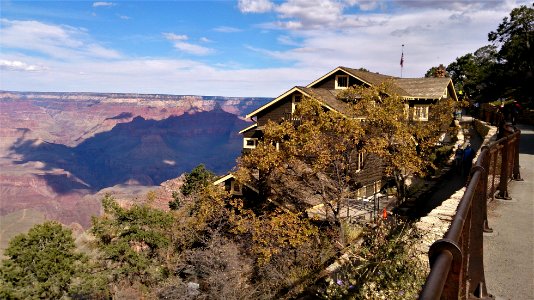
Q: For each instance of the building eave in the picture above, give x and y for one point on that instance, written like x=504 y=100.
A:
x=230 y=176
x=248 y=128
x=276 y=100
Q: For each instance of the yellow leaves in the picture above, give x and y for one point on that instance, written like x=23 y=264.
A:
x=272 y=232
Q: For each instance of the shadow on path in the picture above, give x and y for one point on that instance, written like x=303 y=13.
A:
x=449 y=183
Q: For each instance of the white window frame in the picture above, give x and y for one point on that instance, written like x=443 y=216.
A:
x=406 y=111
x=418 y=109
x=337 y=87
x=295 y=99
x=246 y=146
x=361 y=192
x=377 y=184
x=359 y=166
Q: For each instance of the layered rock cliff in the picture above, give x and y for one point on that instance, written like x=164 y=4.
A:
x=58 y=150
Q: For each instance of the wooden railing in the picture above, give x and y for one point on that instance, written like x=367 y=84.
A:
x=456 y=261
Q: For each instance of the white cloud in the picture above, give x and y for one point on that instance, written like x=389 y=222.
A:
x=169 y=76
x=16 y=65
x=57 y=41
x=255 y=6
x=192 y=48
x=175 y=37
x=124 y=17
x=103 y=4
x=373 y=40
x=180 y=44
x=311 y=12
x=287 y=40
x=318 y=44
x=205 y=40
x=226 y=29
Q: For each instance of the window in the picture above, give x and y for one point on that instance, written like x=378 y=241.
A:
x=378 y=184
x=236 y=188
x=295 y=101
x=420 y=112
x=361 y=192
x=360 y=161
x=250 y=143
x=342 y=81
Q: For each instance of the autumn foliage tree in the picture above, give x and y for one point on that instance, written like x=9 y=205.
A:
x=405 y=146
x=308 y=160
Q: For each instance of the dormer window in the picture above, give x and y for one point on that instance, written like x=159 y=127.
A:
x=342 y=81
x=295 y=101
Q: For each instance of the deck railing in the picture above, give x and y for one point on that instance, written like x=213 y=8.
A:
x=456 y=261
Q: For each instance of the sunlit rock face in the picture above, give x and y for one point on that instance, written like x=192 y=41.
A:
x=59 y=150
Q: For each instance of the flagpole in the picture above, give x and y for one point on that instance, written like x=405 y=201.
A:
x=402 y=59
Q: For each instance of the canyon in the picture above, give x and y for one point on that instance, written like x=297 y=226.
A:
x=61 y=152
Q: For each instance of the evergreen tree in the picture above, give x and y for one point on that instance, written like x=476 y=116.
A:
x=40 y=264
x=198 y=178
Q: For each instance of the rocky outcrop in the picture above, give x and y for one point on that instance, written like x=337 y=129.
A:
x=60 y=152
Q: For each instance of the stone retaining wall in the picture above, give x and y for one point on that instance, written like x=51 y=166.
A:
x=434 y=226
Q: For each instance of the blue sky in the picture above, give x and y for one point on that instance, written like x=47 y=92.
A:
x=229 y=48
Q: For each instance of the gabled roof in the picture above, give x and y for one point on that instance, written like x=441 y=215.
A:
x=427 y=88
x=329 y=101
x=231 y=176
x=408 y=88
x=327 y=98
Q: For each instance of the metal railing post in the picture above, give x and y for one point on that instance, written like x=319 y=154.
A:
x=477 y=281
x=503 y=180
x=516 y=174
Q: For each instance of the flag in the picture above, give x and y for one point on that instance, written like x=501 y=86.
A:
x=402 y=60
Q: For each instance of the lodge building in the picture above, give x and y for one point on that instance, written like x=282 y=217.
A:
x=418 y=93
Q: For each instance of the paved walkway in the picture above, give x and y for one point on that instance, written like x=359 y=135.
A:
x=509 y=250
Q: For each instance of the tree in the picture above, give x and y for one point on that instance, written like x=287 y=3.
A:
x=515 y=36
x=386 y=266
x=197 y=179
x=142 y=245
x=40 y=264
x=403 y=145
x=438 y=71
x=308 y=160
x=474 y=74
x=133 y=241
x=504 y=68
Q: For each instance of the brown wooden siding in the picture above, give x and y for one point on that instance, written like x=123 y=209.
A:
x=373 y=170
x=275 y=112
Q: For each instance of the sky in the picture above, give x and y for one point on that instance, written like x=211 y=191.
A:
x=244 y=48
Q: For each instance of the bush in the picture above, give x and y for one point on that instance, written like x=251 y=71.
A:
x=40 y=264
x=384 y=268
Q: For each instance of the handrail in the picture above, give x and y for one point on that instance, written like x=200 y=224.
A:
x=456 y=261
